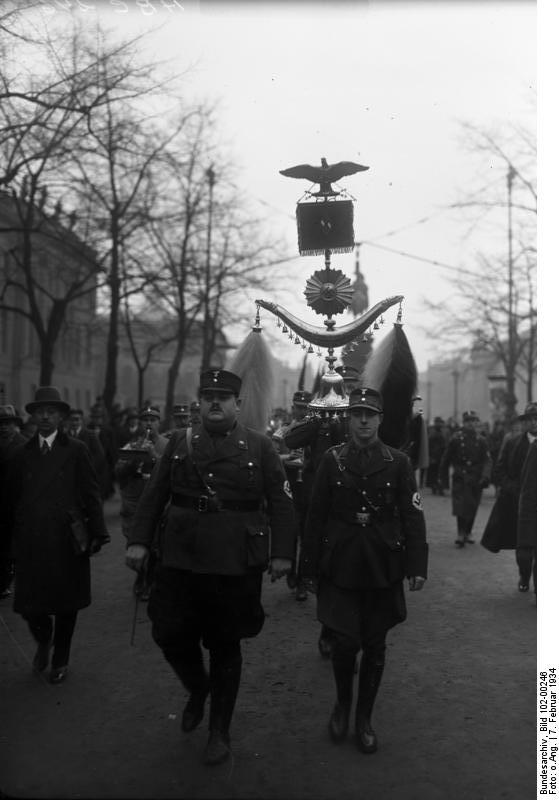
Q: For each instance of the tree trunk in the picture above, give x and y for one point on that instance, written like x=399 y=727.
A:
x=109 y=390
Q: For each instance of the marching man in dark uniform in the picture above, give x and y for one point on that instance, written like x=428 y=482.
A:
x=468 y=454
x=229 y=516
x=365 y=533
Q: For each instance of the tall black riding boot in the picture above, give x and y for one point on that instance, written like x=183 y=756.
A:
x=225 y=677
x=343 y=663
x=188 y=665
x=370 y=676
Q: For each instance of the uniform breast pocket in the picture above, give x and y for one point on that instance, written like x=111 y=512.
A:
x=258 y=546
x=249 y=472
x=178 y=469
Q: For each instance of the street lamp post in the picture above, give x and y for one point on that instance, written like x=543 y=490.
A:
x=455 y=374
x=511 y=399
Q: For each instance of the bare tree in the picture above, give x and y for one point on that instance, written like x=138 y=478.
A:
x=494 y=300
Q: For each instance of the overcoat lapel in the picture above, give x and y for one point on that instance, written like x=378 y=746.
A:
x=44 y=469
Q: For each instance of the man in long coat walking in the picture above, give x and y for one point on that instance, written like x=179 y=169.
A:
x=57 y=522
x=502 y=526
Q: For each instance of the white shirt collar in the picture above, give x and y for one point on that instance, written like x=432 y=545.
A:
x=49 y=440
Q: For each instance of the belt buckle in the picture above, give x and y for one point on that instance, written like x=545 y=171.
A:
x=363 y=517
x=203 y=503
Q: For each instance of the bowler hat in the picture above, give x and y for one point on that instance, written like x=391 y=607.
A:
x=366 y=398
x=47 y=396
x=8 y=413
x=301 y=398
x=220 y=380
x=529 y=411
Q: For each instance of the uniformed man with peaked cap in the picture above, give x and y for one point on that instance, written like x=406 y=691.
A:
x=365 y=533
x=468 y=455
x=229 y=515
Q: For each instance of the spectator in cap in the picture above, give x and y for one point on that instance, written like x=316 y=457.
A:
x=468 y=455
x=195 y=413
x=502 y=526
x=180 y=418
x=437 y=441
x=136 y=462
x=57 y=523
x=350 y=375
x=229 y=515
x=10 y=439
x=365 y=533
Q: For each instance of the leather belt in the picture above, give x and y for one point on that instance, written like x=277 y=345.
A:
x=201 y=503
x=357 y=518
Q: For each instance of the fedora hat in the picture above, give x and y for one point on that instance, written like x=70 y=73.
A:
x=8 y=413
x=47 y=396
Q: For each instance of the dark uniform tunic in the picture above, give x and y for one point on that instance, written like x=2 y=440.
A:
x=215 y=545
x=468 y=454
x=501 y=528
x=365 y=532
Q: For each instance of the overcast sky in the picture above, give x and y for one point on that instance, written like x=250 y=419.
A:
x=384 y=84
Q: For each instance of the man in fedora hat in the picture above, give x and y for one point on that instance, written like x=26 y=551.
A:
x=57 y=522
x=229 y=516
x=468 y=455
x=365 y=533
x=10 y=438
x=502 y=526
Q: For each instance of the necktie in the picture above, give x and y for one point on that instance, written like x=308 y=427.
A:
x=45 y=448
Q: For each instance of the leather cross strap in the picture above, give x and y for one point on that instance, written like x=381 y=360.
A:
x=351 y=483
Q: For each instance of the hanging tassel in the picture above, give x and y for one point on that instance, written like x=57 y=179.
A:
x=253 y=364
x=392 y=370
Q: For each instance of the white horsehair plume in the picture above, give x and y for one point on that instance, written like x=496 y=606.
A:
x=253 y=364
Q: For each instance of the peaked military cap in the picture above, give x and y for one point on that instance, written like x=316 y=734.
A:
x=470 y=416
x=195 y=406
x=150 y=411
x=301 y=398
x=8 y=413
x=531 y=410
x=366 y=398
x=220 y=380
x=348 y=373
x=180 y=408
x=47 y=396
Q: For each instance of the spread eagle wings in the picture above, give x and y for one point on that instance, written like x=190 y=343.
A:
x=323 y=174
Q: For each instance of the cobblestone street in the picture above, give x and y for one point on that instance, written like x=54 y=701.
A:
x=455 y=714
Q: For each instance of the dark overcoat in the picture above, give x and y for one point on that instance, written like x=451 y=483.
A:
x=528 y=500
x=501 y=529
x=44 y=491
x=376 y=553
x=468 y=455
x=256 y=518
